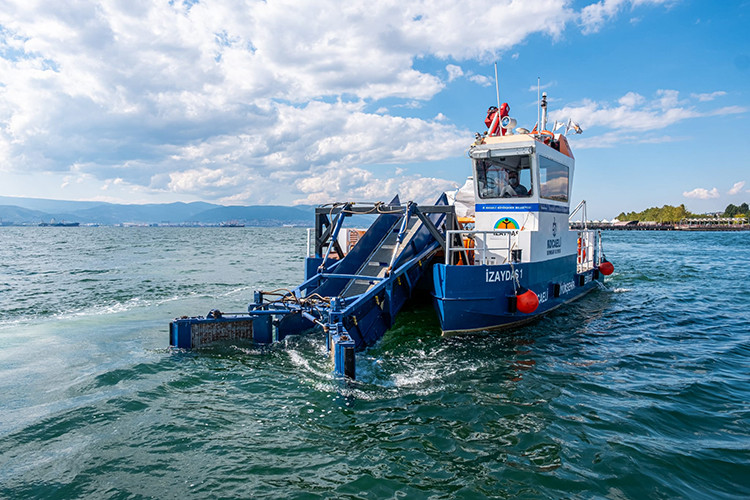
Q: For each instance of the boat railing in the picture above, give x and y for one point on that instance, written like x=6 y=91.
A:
x=474 y=247
x=582 y=208
x=310 y=247
x=588 y=255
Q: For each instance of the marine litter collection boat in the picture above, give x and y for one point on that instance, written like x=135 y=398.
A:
x=496 y=253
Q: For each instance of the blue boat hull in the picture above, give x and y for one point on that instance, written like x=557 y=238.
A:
x=474 y=298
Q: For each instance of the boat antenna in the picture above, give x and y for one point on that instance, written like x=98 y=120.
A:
x=538 y=101
x=497 y=86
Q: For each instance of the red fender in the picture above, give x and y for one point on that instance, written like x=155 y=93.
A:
x=526 y=301
x=606 y=267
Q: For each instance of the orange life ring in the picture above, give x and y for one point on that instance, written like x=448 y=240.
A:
x=581 y=252
x=546 y=136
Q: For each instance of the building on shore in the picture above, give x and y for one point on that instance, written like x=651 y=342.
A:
x=692 y=224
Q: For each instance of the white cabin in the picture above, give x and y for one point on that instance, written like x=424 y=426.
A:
x=522 y=188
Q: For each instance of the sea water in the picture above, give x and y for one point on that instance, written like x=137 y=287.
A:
x=638 y=390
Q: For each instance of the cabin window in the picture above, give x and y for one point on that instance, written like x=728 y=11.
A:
x=504 y=177
x=553 y=180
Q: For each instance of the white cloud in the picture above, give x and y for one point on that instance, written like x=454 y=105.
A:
x=635 y=113
x=708 y=96
x=543 y=86
x=727 y=110
x=359 y=184
x=701 y=193
x=631 y=99
x=482 y=80
x=737 y=188
x=593 y=17
x=304 y=151
x=454 y=72
x=668 y=99
x=205 y=97
x=618 y=138
x=233 y=100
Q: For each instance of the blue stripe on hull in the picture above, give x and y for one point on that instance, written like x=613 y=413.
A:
x=469 y=298
x=521 y=207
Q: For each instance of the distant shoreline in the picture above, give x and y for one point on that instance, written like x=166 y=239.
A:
x=573 y=226
x=144 y=225
x=664 y=227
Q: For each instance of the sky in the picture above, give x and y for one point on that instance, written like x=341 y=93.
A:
x=296 y=102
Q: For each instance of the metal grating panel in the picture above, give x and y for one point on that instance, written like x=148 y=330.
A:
x=202 y=334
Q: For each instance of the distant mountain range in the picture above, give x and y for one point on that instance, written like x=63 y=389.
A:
x=33 y=211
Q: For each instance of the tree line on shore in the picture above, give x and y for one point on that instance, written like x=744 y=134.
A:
x=670 y=214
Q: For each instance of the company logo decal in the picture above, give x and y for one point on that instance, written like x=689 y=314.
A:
x=554 y=245
x=506 y=223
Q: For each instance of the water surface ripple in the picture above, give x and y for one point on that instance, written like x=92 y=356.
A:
x=639 y=390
